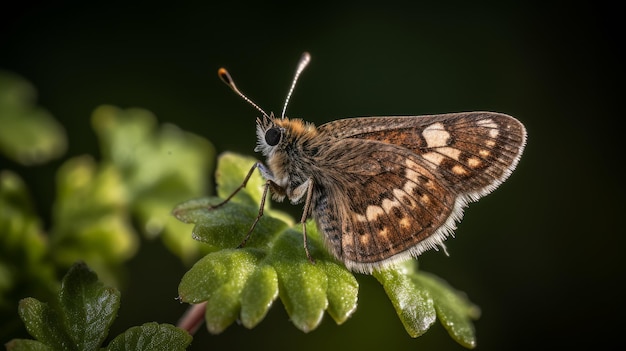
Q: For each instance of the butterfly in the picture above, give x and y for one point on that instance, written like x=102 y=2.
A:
x=382 y=189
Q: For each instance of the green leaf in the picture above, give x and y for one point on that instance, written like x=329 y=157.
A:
x=419 y=298
x=159 y=168
x=219 y=279
x=82 y=317
x=227 y=227
x=89 y=307
x=258 y=294
x=303 y=286
x=230 y=174
x=29 y=134
x=151 y=337
x=45 y=324
x=413 y=303
x=241 y=284
x=342 y=292
x=454 y=310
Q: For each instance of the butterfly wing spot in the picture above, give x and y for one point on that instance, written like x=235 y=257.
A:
x=441 y=153
x=434 y=158
x=474 y=162
x=405 y=223
x=459 y=170
x=396 y=213
x=436 y=135
x=489 y=123
x=438 y=138
x=364 y=239
x=411 y=174
x=371 y=214
x=451 y=152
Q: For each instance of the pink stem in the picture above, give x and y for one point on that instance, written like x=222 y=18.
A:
x=193 y=318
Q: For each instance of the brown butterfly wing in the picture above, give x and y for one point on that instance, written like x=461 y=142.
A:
x=403 y=185
x=480 y=149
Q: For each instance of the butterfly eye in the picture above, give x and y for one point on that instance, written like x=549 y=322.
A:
x=272 y=136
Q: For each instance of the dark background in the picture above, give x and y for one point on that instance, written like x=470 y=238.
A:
x=542 y=256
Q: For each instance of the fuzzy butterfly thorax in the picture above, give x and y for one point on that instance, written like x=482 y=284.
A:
x=289 y=146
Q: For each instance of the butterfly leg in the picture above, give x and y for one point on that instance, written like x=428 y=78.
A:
x=268 y=183
x=243 y=185
x=258 y=217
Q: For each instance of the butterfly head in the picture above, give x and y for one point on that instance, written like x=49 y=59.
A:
x=271 y=130
x=269 y=134
x=277 y=135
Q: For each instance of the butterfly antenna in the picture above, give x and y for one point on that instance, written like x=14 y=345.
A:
x=226 y=78
x=304 y=61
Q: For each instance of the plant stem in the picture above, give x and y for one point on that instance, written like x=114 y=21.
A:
x=193 y=318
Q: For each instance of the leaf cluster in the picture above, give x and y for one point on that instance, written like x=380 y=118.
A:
x=241 y=284
x=101 y=206
x=80 y=317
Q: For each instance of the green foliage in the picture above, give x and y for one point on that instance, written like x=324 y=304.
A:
x=159 y=168
x=151 y=336
x=81 y=316
x=100 y=205
x=34 y=135
x=419 y=298
x=241 y=284
x=24 y=267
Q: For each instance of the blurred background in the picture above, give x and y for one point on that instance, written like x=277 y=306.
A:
x=542 y=256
